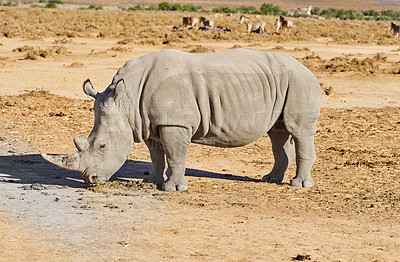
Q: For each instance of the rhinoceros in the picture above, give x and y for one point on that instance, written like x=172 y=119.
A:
x=171 y=98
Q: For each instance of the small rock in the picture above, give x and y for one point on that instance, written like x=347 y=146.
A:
x=34 y=187
x=302 y=257
x=123 y=243
x=38 y=187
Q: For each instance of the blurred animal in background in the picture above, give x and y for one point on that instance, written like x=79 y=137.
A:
x=209 y=24
x=278 y=25
x=395 y=29
x=303 y=11
x=285 y=24
x=256 y=26
x=190 y=21
x=309 y=9
x=186 y=21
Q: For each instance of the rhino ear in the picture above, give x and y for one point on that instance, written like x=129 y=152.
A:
x=119 y=90
x=88 y=89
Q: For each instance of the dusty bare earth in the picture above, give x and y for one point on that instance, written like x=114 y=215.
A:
x=48 y=214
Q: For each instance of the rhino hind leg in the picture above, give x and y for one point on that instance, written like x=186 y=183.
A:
x=284 y=154
x=175 y=141
x=157 y=156
x=305 y=158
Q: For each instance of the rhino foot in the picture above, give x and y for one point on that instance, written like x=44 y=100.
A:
x=273 y=178
x=172 y=185
x=299 y=182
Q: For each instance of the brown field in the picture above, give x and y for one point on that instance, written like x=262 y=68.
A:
x=48 y=214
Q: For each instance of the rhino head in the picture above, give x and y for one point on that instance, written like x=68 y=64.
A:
x=105 y=150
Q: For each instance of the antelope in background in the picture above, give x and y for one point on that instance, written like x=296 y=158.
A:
x=255 y=25
x=283 y=23
x=395 y=29
x=207 y=23
x=190 y=21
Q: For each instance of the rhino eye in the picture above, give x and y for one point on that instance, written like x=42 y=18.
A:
x=102 y=145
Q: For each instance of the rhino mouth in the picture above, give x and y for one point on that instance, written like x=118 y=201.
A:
x=71 y=162
x=94 y=178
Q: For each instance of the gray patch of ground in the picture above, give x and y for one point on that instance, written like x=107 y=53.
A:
x=55 y=203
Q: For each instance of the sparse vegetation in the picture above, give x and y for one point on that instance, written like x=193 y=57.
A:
x=53 y=3
x=270 y=9
x=341 y=14
x=165 y=6
x=94 y=7
x=265 y=9
x=9 y=3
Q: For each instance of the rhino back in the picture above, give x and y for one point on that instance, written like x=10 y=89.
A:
x=226 y=99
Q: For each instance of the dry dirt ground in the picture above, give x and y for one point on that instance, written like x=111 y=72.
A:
x=48 y=214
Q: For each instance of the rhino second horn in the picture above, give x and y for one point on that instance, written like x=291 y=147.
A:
x=81 y=143
x=70 y=162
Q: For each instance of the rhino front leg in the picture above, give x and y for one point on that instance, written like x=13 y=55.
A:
x=157 y=156
x=284 y=154
x=305 y=158
x=175 y=141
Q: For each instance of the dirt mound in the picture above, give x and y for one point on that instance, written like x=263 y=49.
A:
x=376 y=64
x=33 y=53
x=121 y=187
x=202 y=49
x=76 y=65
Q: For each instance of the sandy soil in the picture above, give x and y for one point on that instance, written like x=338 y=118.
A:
x=351 y=214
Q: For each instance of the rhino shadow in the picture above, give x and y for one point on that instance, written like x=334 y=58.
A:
x=33 y=169
x=137 y=169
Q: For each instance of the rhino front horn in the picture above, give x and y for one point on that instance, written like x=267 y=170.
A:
x=70 y=162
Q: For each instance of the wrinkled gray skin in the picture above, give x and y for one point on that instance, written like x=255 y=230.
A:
x=170 y=98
